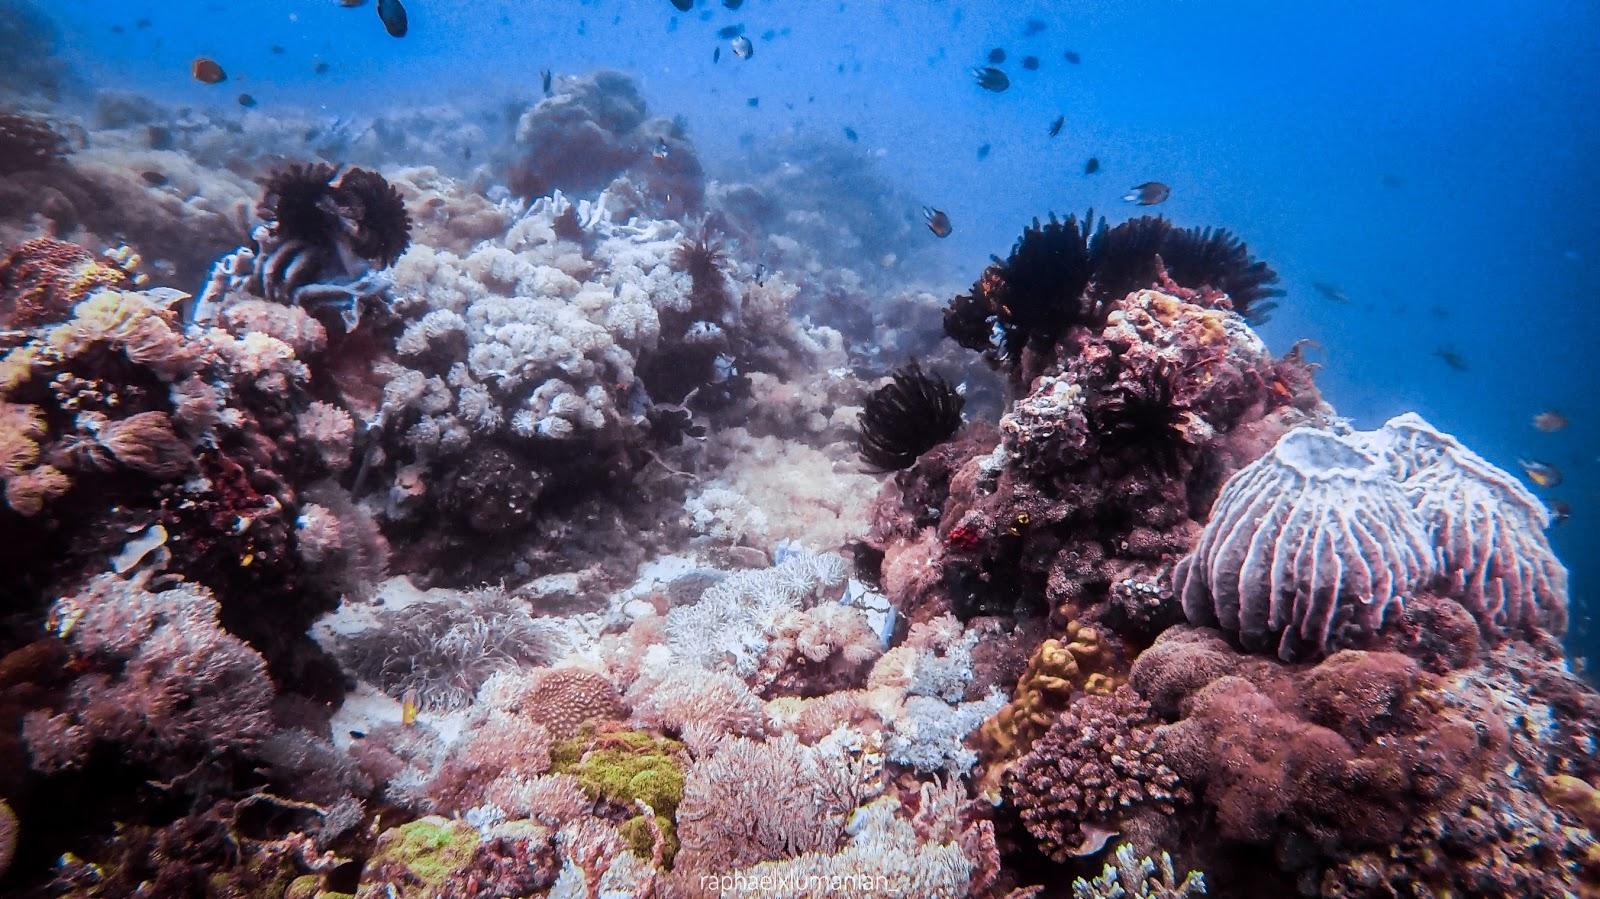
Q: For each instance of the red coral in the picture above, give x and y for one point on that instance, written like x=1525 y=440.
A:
x=1097 y=762
x=42 y=279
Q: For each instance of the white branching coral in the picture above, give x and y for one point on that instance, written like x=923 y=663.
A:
x=1131 y=876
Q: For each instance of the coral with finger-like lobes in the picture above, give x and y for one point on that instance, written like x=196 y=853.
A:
x=905 y=418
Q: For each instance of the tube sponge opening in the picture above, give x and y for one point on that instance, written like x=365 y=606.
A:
x=1310 y=541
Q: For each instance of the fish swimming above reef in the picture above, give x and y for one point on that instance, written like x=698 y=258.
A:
x=991 y=79
x=1541 y=473
x=742 y=47
x=1148 y=194
x=154 y=179
x=206 y=71
x=983 y=152
x=545 y=77
x=393 y=14
x=1092 y=166
x=1072 y=57
x=683 y=5
x=1549 y=421
x=1033 y=27
x=1331 y=291
x=730 y=32
x=851 y=135
x=661 y=150
x=1031 y=63
x=1560 y=512
x=247 y=101
x=1055 y=127
x=997 y=56
x=716 y=55
x=1451 y=358
x=938 y=221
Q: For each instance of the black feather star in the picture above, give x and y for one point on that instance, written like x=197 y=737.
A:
x=382 y=228
x=907 y=417
x=299 y=201
x=1202 y=257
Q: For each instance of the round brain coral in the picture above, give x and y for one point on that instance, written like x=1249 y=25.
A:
x=562 y=699
x=1311 y=542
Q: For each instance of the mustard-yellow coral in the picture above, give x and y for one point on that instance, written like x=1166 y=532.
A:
x=1059 y=668
x=1573 y=795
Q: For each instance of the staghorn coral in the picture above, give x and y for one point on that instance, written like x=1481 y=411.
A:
x=1097 y=762
x=908 y=416
x=1307 y=547
x=1131 y=876
x=1488 y=528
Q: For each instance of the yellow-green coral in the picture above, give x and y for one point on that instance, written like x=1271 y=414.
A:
x=423 y=853
x=629 y=766
x=641 y=837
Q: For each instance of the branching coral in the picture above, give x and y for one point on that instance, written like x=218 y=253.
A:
x=1097 y=762
x=1307 y=547
x=908 y=416
x=1131 y=876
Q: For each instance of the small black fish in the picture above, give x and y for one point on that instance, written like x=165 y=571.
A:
x=1331 y=291
x=1055 y=127
x=733 y=4
x=938 y=222
x=850 y=133
x=683 y=5
x=394 y=19
x=545 y=77
x=983 y=152
x=769 y=34
x=1072 y=57
x=1541 y=473
x=1560 y=512
x=742 y=47
x=154 y=179
x=358 y=735
x=730 y=32
x=1451 y=358
x=1032 y=27
x=991 y=79
x=716 y=55
x=997 y=56
x=277 y=49
x=322 y=68
x=1092 y=166
x=247 y=101
x=142 y=23
x=118 y=29
x=1148 y=194
x=753 y=102
x=1031 y=63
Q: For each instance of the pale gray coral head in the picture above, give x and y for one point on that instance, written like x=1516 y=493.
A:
x=1306 y=545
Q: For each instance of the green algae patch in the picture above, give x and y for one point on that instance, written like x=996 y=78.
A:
x=421 y=855
x=629 y=766
x=642 y=842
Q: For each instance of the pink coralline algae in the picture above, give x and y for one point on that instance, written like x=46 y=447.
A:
x=1097 y=762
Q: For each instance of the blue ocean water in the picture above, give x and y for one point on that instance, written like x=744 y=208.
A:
x=1433 y=162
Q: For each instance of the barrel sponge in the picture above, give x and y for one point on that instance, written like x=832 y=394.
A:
x=1312 y=541
x=1489 y=530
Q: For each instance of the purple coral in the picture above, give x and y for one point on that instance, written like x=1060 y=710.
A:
x=1488 y=528
x=161 y=679
x=1097 y=761
x=1311 y=541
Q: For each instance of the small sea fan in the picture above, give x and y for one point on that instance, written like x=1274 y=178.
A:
x=299 y=201
x=381 y=227
x=1203 y=257
x=28 y=144
x=906 y=418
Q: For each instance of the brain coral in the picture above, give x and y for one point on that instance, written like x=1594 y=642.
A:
x=1488 y=528
x=1310 y=541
